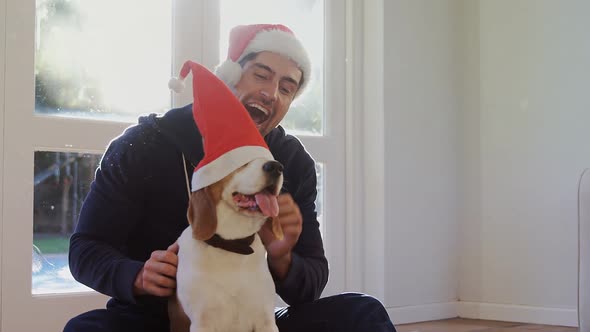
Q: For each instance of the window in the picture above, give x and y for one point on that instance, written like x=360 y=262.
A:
x=97 y=66
x=61 y=182
x=306 y=115
x=86 y=67
x=317 y=116
x=319 y=203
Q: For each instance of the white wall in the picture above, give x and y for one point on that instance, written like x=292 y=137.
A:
x=421 y=147
x=519 y=236
x=487 y=131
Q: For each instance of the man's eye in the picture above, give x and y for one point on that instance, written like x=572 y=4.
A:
x=285 y=91
x=260 y=76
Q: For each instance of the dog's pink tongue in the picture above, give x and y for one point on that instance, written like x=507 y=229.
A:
x=268 y=204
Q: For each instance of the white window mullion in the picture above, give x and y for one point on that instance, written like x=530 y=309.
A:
x=373 y=149
x=19 y=101
x=195 y=23
x=18 y=166
x=333 y=139
x=322 y=148
x=211 y=36
x=2 y=89
x=354 y=122
x=73 y=134
x=21 y=133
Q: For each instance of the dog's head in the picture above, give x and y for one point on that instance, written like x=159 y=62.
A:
x=239 y=204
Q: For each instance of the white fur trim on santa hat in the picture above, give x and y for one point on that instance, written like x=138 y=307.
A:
x=276 y=41
x=229 y=72
x=226 y=163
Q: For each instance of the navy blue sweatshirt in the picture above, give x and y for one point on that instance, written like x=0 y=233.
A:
x=138 y=203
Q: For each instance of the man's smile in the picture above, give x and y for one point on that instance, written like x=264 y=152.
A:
x=258 y=113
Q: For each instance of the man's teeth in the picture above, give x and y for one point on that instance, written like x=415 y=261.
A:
x=260 y=108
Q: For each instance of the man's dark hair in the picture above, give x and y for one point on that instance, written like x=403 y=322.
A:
x=253 y=55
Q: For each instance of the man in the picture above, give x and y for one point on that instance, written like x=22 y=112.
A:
x=124 y=246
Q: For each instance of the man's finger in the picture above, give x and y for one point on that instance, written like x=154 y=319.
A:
x=286 y=197
x=174 y=247
x=165 y=256
x=159 y=291
x=289 y=217
x=160 y=280
x=161 y=268
x=290 y=220
x=292 y=227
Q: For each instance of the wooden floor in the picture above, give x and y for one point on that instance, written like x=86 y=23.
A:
x=471 y=325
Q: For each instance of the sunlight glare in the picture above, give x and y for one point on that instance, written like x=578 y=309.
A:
x=131 y=63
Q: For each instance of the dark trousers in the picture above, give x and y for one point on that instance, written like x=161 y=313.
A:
x=349 y=312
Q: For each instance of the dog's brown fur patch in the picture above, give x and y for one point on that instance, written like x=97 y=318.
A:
x=179 y=321
x=202 y=209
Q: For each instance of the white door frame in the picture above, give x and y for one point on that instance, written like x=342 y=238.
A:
x=2 y=87
x=365 y=148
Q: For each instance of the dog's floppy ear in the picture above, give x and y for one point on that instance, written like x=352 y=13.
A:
x=202 y=214
x=277 y=230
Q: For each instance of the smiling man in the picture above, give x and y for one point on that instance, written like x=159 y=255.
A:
x=124 y=244
x=267 y=86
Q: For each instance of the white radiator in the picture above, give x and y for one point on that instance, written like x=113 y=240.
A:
x=584 y=252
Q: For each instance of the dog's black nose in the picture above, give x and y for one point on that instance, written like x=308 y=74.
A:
x=273 y=168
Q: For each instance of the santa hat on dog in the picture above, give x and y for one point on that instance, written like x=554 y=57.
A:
x=247 y=39
x=231 y=138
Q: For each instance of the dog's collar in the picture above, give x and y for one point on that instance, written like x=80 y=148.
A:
x=238 y=246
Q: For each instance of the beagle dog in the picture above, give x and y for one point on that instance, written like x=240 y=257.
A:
x=223 y=280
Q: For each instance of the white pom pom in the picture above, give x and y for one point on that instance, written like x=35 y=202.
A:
x=176 y=85
x=230 y=72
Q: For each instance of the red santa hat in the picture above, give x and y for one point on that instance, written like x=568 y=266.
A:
x=230 y=137
x=247 y=39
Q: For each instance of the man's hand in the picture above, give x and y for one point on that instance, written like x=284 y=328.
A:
x=158 y=275
x=279 y=251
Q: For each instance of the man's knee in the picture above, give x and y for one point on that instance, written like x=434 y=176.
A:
x=75 y=324
x=91 y=321
x=365 y=310
x=374 y=308
x=114 y=320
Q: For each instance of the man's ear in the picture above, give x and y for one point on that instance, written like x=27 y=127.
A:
x=202 y=214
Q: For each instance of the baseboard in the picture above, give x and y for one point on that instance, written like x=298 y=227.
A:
x=422 y=313
x=488 y=311
x=518 y=313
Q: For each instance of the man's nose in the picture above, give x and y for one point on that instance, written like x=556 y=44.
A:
x=269 y=93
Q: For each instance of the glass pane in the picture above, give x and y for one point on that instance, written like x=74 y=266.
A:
x=62 y=181
x=306 y=19
x=106 y=59
x=319 y=169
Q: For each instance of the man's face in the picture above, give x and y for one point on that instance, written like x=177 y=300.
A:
x=267 y=87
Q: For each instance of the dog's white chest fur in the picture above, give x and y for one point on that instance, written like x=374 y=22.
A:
x=224 y=291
